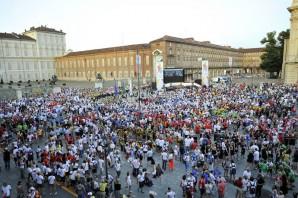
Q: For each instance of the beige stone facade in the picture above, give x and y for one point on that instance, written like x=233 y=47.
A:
x=252 y=60
x=112 y=63
x=187 y=53
x=290 y=66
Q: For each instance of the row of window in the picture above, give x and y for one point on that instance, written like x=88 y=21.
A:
x=29 y=50
x=105 y=75
x=26 y=65
x=101 y=62
x=191 y=50
x=50 y=39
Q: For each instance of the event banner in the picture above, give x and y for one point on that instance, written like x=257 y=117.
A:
x=159 y=72
x=205 y=72
x=130 y=87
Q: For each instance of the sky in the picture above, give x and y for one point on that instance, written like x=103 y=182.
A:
x=94 y=24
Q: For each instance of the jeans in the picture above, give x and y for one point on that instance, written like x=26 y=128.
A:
x=186 y=166
x=164 y=164
x=7 y=164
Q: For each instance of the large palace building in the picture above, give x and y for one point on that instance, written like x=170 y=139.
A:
x=30 y=55
x=120 y=62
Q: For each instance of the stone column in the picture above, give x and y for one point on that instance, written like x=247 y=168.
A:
x=291 y=65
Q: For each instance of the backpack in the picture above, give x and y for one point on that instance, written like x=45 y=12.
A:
x=252 y=188
x=233 y=169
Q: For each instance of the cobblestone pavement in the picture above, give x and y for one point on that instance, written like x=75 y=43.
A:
x=168 y=179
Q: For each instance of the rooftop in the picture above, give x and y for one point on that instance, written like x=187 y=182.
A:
x=44 y=29
x=191 y=41
x=110 y=49
x=15 y=36
x=260 y=49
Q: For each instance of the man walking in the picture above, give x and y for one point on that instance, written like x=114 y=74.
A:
x=6 y=158
x=164 y=156
x=260 y=184
x=52 y=184
x=170 y=193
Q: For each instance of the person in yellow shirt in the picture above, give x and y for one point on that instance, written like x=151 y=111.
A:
x=103 y=187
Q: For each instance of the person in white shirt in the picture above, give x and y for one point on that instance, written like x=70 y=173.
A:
x=128 y=182
x=246 y=173
x=187 y=143
x=150 y=156
x=245 y=185
x=39 y=181
x=170 y=193
x=118 y=168
x=61 y=173
x=256 y=157
x=6 y=190
x=136 y=165
x=51 y=180
x=141 y=180
x=164 y=157
x=100 y=165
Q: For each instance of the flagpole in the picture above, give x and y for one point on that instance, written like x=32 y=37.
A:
x=139 y=90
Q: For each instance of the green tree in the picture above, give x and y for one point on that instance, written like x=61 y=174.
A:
x=274 y=46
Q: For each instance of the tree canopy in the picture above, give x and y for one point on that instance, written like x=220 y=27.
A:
x=274 y=46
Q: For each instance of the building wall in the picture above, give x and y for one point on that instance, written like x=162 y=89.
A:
x=117 y=65
x=175 y=55
x=18 y=60
x=23 y=60
x=252 y=61
x=48 y=46
x=190 y=58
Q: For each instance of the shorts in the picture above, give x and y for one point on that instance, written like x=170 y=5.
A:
x=141 y=184
x=202 y=191
x=39 y=185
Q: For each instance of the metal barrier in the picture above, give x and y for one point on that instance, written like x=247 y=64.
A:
x=10 y=92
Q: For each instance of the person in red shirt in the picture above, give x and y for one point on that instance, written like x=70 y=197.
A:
x=221 y=189
x=239 y=185
x=197 y=129
x=202 y=186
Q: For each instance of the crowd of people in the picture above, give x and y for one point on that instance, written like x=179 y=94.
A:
x=83 y=143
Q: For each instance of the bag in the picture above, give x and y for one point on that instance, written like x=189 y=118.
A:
x=252 y=188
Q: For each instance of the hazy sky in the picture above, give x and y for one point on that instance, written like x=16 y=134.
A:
x=92 y=24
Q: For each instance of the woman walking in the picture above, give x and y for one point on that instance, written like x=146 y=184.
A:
x=171 y=161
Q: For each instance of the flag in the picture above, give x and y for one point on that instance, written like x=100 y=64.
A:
x=123 y=87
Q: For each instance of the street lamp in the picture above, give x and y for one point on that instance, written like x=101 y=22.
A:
x=105 y=146
x=138 y=71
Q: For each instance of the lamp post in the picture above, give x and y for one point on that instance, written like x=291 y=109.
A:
x=138 y=72
x=105 y=147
